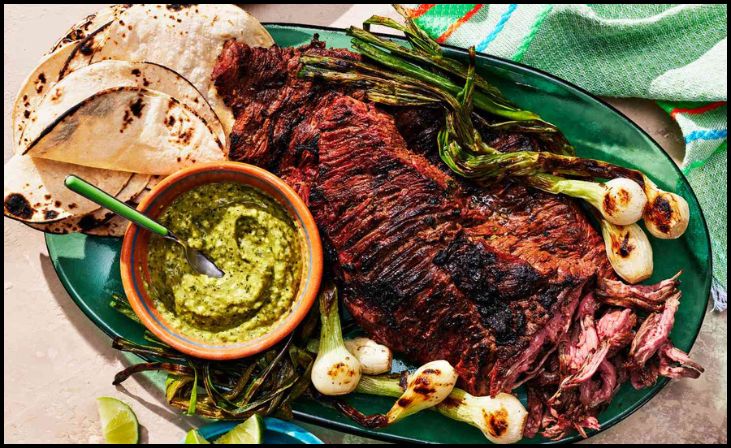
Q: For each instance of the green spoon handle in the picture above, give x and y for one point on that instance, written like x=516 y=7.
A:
x=107 y=201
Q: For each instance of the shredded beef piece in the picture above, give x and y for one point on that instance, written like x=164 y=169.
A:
x=653 y=332
x=616 y=328
x=597 y=391
x=675 y=363
x=644 y=297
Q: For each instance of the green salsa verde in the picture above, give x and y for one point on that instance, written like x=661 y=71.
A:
x=251 y=238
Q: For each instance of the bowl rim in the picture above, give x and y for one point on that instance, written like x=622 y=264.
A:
x=313 y=258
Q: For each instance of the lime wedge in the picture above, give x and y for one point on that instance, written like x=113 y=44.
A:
x=250 y=432
x=194 y=438
x=119 y=423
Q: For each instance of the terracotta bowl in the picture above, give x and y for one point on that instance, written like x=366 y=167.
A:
x=135 y=270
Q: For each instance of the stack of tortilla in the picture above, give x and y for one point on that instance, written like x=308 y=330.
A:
x=123 y=99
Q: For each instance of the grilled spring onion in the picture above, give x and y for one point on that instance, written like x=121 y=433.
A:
x=629 y=251
x=374 y=358
x=501 y=419
x=621 y=201
x=667 y=214
x=233 y=390
x=428 y=386
x=336 y=371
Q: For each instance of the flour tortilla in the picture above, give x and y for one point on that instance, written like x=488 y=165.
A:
x=184 y=38
x=84 y=50
x=86 y=81
x=115 y=227
x=35 y=86
x=47 y=73
x=34 y=189
x=97 y=218
x=88 y=25
x=129 y=129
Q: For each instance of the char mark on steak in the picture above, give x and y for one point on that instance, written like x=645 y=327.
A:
x=434 y=267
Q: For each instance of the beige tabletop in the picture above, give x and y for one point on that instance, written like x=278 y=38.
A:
x=57 y=362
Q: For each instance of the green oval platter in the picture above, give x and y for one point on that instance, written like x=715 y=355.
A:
x=89 y=266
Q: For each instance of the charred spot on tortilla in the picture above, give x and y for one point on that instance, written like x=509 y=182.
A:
x=50 y=214
x=40 y=82
x=26 y=114
x=56 y=94
x=17 y=205
x=87 y=47
x=134 y=110
x=185 y=136
x=137 y=106
x=88 y=222
x=136 y=72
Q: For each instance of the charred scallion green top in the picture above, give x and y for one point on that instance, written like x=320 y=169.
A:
x=230 y=390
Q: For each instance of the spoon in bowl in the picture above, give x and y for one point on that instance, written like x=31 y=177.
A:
x=196 y=259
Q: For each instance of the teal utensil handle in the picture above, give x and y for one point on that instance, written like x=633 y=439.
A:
x=108 y=201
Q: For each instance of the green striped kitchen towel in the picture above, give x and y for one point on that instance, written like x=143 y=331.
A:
x=675 y=54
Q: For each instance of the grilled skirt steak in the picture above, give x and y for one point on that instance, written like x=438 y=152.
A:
x=427 y=263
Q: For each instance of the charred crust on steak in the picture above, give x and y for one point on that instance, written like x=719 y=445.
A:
x=309 y=146
x=383 y=295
